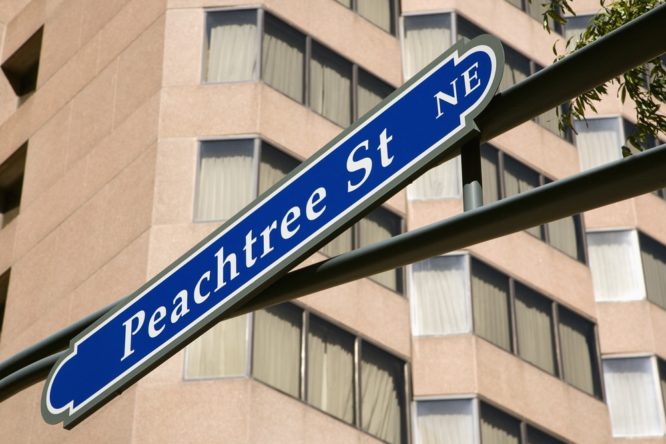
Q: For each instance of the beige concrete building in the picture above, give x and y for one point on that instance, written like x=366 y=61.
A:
x=130 y=129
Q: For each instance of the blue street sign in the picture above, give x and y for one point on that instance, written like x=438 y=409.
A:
x=414 y=127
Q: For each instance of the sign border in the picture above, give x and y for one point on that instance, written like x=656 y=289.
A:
x=444 y=148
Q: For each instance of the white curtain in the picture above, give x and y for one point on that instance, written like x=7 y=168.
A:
x=440 y=299
x=426 y=37
x=225 y=179
x=490 y=303
x=562 y=235
x=283 y=60
x=277 y=347
x=221 y=351
x=516 y=69
x=489 y=174
x=273 y=166
x=550 y=121
x=599 y=141
x=443 y=181
x=381 y=394
x=377 y=11
x=615 y=264
x=653 y=256
x=330 y=380
x=534 y=329
x=445 y=422
x=577 y=351
x=232 y=46
x=498 y=427
x=518 y=178
x=632 y=396
x=339 y=245
x=371 y=91
x=537 y=8
x=375 y=227
x=330 y=87
x=574 y=28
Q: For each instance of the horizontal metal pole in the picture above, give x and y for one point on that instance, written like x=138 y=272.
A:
x=56 y=342
x=632 y=44
x=27 y=376
x=625 y=178
x=598 y=62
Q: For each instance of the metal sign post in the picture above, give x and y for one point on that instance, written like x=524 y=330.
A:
x=412 y=129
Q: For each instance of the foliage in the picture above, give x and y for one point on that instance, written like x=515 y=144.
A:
x=645 y=85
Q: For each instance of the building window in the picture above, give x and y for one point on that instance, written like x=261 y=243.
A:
x=377 y=226
x=231 y=46
x=330 y=85
x=427 y=36
x=451 y=421
x=21 y=68
x=330 y=378
x=234 y=172
x=382 y=388
x=522 y=321
x=634 y=394
x=221 y=351
x=309 y=358
x=506 y=313
x=579 y=351
x=599 y=141
x=498 y=427
x=439 y=296
x=283 y=58
x=627 y=265
x=653 y=259
x=380 y=12
x=574 y=27
x=503 y=176
x=381 y=224
x=11 y=185
x=277 y=347
x=536 y=10
x=534 y=328
x=4 y=289
x=491 y=305
x=291 y=62
x=461 y=421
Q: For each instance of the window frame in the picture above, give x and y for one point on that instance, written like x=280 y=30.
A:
x=358 y=340
x=655 y=362
x=555 y=308
x=455 y=37
x=634 y=231
x=579 y=221
x=23 y=79
x=258 y=144
x=478 y=401
x=310 y=42
x=394 y=11
x=401 y=280
x=259 y=30
x=526 y=7
x=620 y=125
x=13 y=165
x=642 y=237
x=5 y=278
x=466 y=259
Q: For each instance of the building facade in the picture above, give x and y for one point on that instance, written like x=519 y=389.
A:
x=130 y=129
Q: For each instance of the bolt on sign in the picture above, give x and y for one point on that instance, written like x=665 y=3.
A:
x=411 y=130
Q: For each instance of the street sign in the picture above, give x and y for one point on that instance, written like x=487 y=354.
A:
x=408 y=132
